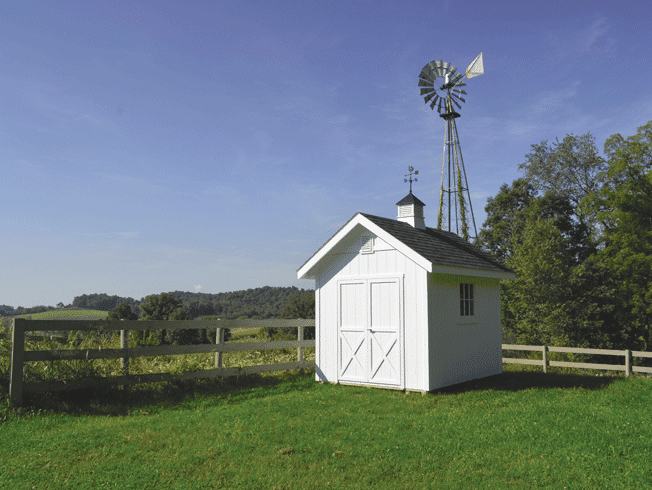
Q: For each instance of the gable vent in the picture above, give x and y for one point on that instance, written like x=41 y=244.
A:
x=366 y=244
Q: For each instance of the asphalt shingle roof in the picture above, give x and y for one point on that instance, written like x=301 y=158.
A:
x=409 y=199
x=438 y=246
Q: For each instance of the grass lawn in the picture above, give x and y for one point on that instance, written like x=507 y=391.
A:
x=520 y=429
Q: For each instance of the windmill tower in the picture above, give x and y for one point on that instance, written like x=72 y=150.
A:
x=443 y=94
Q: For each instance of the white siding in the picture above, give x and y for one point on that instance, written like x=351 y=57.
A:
x=345 y=261
x=463 y=347
x=319 y=375
x=416 y=329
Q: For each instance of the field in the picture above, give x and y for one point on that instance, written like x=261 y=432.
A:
x=520 y=429
x=84 y=369
x=67 y=314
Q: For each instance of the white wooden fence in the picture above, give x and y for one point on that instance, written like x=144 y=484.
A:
x=544 y=362
x=19 y=356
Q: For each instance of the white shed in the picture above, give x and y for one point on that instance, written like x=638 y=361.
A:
x=400 y=305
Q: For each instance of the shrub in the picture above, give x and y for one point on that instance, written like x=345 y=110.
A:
x=287 y=333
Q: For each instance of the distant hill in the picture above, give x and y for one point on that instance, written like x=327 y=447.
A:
x=265 y=302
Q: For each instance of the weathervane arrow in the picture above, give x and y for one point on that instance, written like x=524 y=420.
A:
x=410 y=180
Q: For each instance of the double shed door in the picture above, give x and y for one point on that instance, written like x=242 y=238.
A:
x=370 y=317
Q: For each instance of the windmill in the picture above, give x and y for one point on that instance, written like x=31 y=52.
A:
x=443 y=94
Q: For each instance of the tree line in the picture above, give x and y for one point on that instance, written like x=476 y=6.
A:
x=257 y=303
x=577 y=230
x=166 y=307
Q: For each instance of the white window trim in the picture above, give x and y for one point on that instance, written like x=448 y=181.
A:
x=472 y=303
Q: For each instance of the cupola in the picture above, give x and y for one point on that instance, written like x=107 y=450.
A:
x=410 y=210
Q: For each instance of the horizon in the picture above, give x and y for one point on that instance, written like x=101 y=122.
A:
x=152 y=294
x=215 y=147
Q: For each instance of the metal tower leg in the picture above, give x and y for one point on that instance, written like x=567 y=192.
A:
x=453 y=167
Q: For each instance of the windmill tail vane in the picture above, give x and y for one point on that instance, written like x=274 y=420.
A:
x=476 y=68
x=441 y=87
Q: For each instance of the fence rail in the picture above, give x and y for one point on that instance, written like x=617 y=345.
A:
x=544 y=362
x=19 y=356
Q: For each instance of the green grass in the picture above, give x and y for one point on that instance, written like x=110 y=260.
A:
x=67 y=314
x=520 y=429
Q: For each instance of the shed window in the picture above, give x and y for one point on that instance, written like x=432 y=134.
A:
x=466 y=299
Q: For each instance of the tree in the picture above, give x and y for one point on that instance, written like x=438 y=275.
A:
x=623 y=205
x=536 y=227
x=122 y=312
x=6 y=310
x=101 y=301
x=165 y=307
x=577 y=229
x=534 y=306
x=556 y=300
x=299 y=305
x=159 y=307
x=513 y=207
x=568 y=168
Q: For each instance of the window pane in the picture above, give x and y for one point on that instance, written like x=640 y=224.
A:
x=471 y=303
x=466 y=307
x=471 y=291
x=461 y=307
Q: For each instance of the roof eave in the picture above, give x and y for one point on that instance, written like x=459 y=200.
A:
x=308 y=269
x=462 y=271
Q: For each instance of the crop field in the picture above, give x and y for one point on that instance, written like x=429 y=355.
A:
x=70 y=370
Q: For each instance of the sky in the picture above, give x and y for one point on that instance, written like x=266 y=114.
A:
x=148 y=147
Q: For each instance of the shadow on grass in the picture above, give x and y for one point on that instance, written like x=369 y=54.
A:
x=151 y=397
x=113 y=401
x=528 y=380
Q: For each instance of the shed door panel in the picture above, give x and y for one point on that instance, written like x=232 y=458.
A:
x=352 y=336
x=369 y=331
x=385 y=355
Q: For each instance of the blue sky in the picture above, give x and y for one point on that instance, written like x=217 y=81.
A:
x=215 y=146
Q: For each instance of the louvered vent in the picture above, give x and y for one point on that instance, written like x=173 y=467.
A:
x=366 y=244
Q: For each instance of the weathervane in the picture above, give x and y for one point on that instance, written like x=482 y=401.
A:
x=410 y=180
x=440 y=83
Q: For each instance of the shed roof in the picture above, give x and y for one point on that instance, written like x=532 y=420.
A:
x=438 y=246
x=435 y=250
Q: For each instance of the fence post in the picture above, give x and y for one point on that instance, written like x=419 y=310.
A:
x=219 y=339
x=124 y=344
x=628 y=363
x=17 y=362
x=300 y=350
x=545 y=358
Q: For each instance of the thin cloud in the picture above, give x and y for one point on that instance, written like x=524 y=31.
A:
x=136 y=184
x=53 y=126
x=594 y=38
